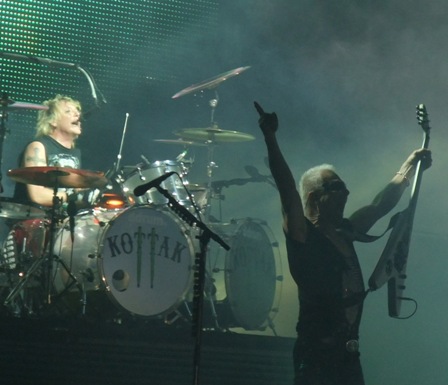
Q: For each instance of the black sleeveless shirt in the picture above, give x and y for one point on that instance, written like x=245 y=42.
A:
x=56 y=156
x=331 y=288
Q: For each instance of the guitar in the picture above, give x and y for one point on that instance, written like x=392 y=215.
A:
x=391 y=267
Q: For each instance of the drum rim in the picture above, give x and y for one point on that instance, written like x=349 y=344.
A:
x=277 y=287
x=37 y=211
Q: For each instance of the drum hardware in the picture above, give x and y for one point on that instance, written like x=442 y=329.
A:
x=42 y=260
x=143 y=172
x=62 y=177
x=117 y=163
x=11 y=209
x=12 y=105
x=55 y=177
x=257 y=177
x=182 y=142
x=214 y=135
x=210 y=83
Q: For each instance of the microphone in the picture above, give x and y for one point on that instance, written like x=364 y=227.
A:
x=140 y=190
x=254 y=173
x=71 y=211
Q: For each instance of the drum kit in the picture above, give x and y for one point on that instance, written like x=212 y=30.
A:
x=130 y=256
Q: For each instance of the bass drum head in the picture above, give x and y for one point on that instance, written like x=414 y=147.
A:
x=252 y=274
x=146 y=261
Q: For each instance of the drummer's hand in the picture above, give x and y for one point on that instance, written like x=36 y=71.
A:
x=85 y=197
x=268 y=122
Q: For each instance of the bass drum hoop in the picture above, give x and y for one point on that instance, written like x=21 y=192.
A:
x=114 y=294
x=253 y=286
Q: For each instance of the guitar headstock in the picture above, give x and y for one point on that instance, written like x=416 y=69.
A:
x=422 y=118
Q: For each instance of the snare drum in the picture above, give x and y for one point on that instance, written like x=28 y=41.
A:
x=247 y=279
x=146 y=173
x=140 y=258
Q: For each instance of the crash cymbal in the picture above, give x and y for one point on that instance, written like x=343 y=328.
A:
x=179 y=142
x=213 y=134
x=210 y=83
x=58 y=177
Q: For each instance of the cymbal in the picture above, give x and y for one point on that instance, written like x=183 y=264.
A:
x=58 y=177
x=210 y=83
x=179 y=141
x=12 y=105
x=213 y=135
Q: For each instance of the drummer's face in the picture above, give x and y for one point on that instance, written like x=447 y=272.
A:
x=68 y=120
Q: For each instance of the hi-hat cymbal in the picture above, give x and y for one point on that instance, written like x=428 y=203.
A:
x=58 y=177
x=213 y=134
x=182 y=142
x=210 y=83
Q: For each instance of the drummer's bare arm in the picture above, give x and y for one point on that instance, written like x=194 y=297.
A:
x=294 y=221
x=35 y=156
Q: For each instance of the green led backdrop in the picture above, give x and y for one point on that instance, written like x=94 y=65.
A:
x=131 y=49
x=122 y=44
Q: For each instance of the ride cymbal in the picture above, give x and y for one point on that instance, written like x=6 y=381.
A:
x=210 y=83
x=58 y=177
x=213 y=134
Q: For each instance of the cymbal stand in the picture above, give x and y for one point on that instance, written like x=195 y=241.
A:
x=46 y=257
x=211 y=165
x=4 y=101
x=117 y=164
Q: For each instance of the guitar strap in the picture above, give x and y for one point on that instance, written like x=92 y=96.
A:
x=367 y=238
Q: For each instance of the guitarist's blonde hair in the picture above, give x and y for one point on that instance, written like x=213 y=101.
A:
x=311 y=180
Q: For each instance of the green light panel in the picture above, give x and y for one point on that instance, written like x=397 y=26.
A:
x=121 y=43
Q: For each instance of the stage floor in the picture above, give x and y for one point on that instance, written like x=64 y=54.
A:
x=81 y=352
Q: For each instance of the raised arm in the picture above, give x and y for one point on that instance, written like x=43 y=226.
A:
x=364 y=218
x=294 y=222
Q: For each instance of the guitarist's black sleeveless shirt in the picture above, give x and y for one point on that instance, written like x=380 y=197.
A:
x=330 y=287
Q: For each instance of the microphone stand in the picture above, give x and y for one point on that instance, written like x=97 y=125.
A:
x=199 y=272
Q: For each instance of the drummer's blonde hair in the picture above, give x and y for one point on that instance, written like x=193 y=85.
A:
x=45 y=118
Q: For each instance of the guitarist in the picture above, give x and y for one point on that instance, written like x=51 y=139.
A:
x=323 y=261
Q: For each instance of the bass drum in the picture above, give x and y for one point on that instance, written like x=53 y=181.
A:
x=245 y=282
x=140 y=258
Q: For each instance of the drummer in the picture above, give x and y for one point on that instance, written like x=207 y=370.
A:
x=57 y=129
